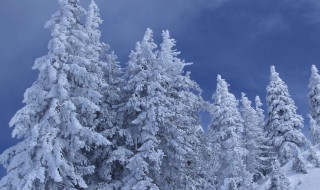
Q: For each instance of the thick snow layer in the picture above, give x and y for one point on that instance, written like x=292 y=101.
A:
x=298 y=181
x=309 y=181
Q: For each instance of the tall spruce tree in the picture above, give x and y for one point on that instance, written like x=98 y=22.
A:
x=108 y=160
x=225 y=133
x=283 y=123
x=57 y=124
x=143 y=116
x=254 y=138
x=314 y=104
x=179 y=131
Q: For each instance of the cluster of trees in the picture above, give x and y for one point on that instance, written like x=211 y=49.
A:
x=88 y=123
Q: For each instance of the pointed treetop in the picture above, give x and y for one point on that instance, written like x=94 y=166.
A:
x=93 y=18
x=168 y=43
x=222 y=91
x=146 y=46
x=219 y=78
x=68 y=17
x=167 y=52
x=312 y=121
x=243 y=96
x=276 y=83
x=258 y=101
x=221 y=83
x=314 y=70
x=315 y=77
x=274 y=73
x=165 y=34
x=92 y=4
x=148 y=36
x=244 y=100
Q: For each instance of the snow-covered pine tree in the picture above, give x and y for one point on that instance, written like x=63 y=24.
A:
x=57 y=124
x=268 y=155
x=225 y=135
x=143 y=116
x=206 y=162
x=254 y=138
x=279 y=180
x=109 y=160
x=283 y=123
x=314 y=157
x=315 y=139
x=314 y=131
x=179 y=131
x=314 y=104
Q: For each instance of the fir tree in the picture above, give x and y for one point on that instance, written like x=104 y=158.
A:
x=283 y=123
x=267 y=154
x=254 y=137
x=109 y=160
x=314 y=131
x=178 y=132
x=225 y=134
x=57 y=124
x=207 y=163
x=314 y=104
x=143 y=116
x=315 y=138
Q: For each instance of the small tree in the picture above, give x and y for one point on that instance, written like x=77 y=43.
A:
x=314 y=157
x=279 y=180
x=283 y=123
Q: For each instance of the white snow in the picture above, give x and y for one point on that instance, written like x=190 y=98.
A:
x=309 y=181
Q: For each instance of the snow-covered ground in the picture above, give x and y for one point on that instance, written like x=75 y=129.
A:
x=309 y=181
x=298 y=181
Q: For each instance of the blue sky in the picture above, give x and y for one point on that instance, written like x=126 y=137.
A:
x=239 y=39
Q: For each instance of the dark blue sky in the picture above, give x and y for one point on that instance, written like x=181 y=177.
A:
x=239 y=39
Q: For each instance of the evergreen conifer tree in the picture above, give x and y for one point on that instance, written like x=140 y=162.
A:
x=314 y=104
x=254 y=138
x=283 y=123
x=57 y=124
x=109 y=160
x=315 y=131
x=179 y=131
x=225 y=134
x=143 y=116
